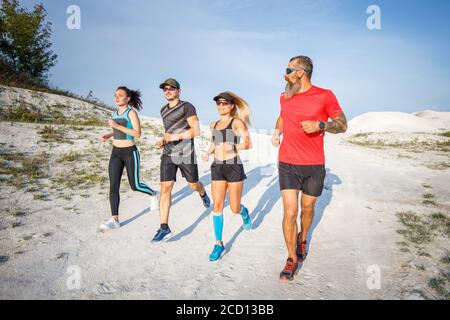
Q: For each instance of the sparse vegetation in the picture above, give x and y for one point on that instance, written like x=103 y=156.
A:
x=440 y=286
x=71 y=156
x=416 y=229
x=79 y=179
x=413 y=145
x=422 y=230
x=24 y=169
x=428 y=199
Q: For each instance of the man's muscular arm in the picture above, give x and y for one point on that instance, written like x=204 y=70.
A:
x=337 y=125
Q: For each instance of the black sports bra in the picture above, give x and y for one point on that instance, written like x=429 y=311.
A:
x=226 y=135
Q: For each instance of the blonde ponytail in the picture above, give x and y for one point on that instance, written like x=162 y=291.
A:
x=242 y=110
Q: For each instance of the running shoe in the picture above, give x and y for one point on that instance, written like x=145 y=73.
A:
x=290 y=270
x=110 y=224
x=206 y=200
x=301 y=248
x=246 y=219
x=217 y=252
x=162 y=235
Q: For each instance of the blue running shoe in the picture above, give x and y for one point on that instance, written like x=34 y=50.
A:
x=206 y=200
x=162 y=235
x=217 y=252
x=246 y=219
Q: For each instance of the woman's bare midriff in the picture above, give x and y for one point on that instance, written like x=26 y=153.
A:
x=123 y=143
x=220 y=152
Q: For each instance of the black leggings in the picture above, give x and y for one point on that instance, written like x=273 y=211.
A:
x=124 y=157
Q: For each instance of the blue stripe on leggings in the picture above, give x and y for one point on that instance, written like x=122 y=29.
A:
x=140 y=186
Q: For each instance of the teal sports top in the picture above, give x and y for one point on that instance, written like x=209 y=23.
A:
x=123 y=120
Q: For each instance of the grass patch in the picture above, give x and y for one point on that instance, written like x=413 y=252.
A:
x=422 y=230
x=424 y=254
x=71 y=156
x=3 y=259
x=23 y=113
x=416 y=230
x=78 y=179
x=440 y=285
x=421 y=267
x=16 y=224
x=445 y=134
x=51 y=134
x=18 y=213
x=429 y=202
x=446 y=259
x=439 y=166
x=26 y=169
x=428 y=196
x=39 y=196
x=414 y=145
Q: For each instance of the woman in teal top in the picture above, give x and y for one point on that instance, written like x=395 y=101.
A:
x=126 y=127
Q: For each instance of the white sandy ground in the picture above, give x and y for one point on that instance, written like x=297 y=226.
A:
x=354 y=229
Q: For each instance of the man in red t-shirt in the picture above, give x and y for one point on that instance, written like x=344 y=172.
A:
x=305 y=110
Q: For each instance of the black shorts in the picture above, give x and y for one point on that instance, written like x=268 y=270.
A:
x=308 y=179
x=226 y=171
x=168 y=170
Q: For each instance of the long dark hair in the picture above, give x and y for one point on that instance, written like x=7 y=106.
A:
x=135 y=97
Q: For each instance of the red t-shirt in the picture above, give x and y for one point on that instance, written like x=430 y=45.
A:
x=297 y=147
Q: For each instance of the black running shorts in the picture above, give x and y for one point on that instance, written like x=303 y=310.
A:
x=308 y=179
x=168 y=170
x=229 y=172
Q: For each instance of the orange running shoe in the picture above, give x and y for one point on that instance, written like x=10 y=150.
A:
x=290 y=270
x=301 y=248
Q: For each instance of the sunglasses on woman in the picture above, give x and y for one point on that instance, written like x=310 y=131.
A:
x=222 y=102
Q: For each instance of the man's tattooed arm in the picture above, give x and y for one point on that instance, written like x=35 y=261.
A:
x=337 y=125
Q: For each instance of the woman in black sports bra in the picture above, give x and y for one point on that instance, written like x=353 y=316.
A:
x=227 y=171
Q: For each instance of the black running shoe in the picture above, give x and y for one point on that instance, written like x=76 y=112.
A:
x=206 y=200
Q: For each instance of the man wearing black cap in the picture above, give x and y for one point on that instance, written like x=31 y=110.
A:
x=181 y=126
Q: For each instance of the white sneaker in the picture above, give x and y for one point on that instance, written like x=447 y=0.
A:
x=110 y=224
x=154 y=202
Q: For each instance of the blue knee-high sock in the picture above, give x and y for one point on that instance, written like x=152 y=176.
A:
x=218 y=225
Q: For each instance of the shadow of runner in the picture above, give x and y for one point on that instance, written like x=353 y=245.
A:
x=253 y=179
x=137 y=216
x=263 y=207
x=187 y=191
x=323 y=201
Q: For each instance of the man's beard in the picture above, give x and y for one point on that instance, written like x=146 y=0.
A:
x=292 y=89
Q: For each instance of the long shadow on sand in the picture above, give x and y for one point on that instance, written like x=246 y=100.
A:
x=254 y=177
x=176 y=197
x=265 y=204
x=321 y=204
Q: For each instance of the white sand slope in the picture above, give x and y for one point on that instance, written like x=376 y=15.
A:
x=425 y=121
x=354 y=230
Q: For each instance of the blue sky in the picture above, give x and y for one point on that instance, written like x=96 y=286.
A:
x=244 y=46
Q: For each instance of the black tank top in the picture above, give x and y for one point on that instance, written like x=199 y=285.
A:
x=226 y=135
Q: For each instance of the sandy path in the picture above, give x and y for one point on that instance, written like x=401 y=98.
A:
x=354 y=228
